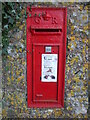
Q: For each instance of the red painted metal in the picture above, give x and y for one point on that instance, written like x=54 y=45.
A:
x=45 y=27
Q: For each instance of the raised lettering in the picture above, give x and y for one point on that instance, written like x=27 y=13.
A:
x=37 y=20
x=54 y=21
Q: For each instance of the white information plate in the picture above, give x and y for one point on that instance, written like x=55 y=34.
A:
x=49 y=67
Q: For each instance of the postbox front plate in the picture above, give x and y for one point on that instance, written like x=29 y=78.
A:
x=46 y=51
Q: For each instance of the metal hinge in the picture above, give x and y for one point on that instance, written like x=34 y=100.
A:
x=29 y=51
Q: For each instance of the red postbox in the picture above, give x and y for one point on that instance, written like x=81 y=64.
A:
x=46 y=54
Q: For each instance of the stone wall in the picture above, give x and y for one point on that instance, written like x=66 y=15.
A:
x=14 y=83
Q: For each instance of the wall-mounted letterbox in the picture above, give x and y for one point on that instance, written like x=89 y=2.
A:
x=46 y=54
